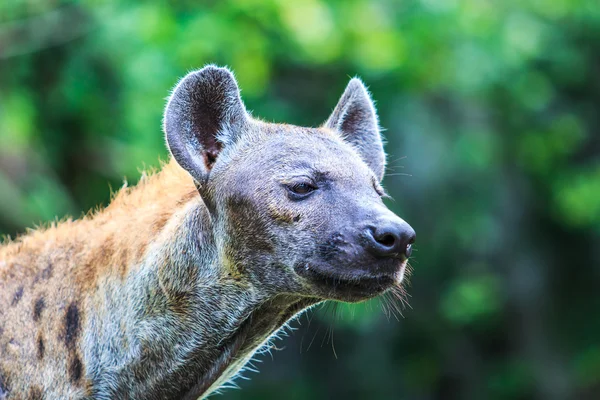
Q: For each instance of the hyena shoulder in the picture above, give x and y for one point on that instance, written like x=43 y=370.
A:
x=48 y=277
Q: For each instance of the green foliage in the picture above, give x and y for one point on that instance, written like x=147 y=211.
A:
x=491 y=111
x=470 y=300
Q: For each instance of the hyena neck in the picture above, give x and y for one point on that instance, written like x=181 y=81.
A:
x=193 y=325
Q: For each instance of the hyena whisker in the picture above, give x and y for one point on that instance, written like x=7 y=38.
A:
x=392 y=165
x=333 y=343
x=396 y=301
x=328 y=336
x=392 y=169
x=384 y=307
x=313 y=338
x=310 y=318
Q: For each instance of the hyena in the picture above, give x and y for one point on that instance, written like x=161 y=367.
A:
x=168 y=291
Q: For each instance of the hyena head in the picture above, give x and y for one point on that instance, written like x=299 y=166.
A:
x=294 y=210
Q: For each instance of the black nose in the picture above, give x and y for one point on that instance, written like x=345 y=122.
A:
x=391 y=239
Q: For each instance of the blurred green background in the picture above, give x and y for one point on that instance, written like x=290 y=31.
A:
x=491 y=110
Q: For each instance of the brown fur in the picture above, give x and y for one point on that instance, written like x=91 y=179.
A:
x=170 y=290
x=42 y=323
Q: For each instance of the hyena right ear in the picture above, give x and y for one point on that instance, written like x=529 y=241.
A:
x=356 y=119
x=204 y=112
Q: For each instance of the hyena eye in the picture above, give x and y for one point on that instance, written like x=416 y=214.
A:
x=300 y=190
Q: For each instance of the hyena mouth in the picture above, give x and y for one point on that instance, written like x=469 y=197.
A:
x=352 y=287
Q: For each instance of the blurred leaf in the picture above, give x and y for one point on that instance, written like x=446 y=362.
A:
x=577 y=197
x=587 y=367
x=471 y=298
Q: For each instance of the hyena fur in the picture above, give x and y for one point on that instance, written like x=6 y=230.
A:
x=171 y=289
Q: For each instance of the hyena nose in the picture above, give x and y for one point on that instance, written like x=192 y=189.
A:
x=391 y=239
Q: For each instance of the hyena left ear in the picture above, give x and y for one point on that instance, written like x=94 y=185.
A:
x=356 y=119
x=204 y=113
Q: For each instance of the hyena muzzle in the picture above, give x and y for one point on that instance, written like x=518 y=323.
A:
x=170 y=290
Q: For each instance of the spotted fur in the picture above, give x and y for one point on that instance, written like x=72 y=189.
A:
x=170 y=290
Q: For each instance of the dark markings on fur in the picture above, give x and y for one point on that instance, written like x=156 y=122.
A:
x=228 y=352
x=71 y=325
x=328 y=250
x=251 y=232
x=17 y=296
x=44 y=274
x=242 y=341
x=41 y=347
x=75 y=369
x=180 y=302
x=35 y=393
x=38 y=307
x=248 y=225
x=4 y=385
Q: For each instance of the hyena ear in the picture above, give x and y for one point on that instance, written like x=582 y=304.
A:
x=356 y=119
x=204 y=113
